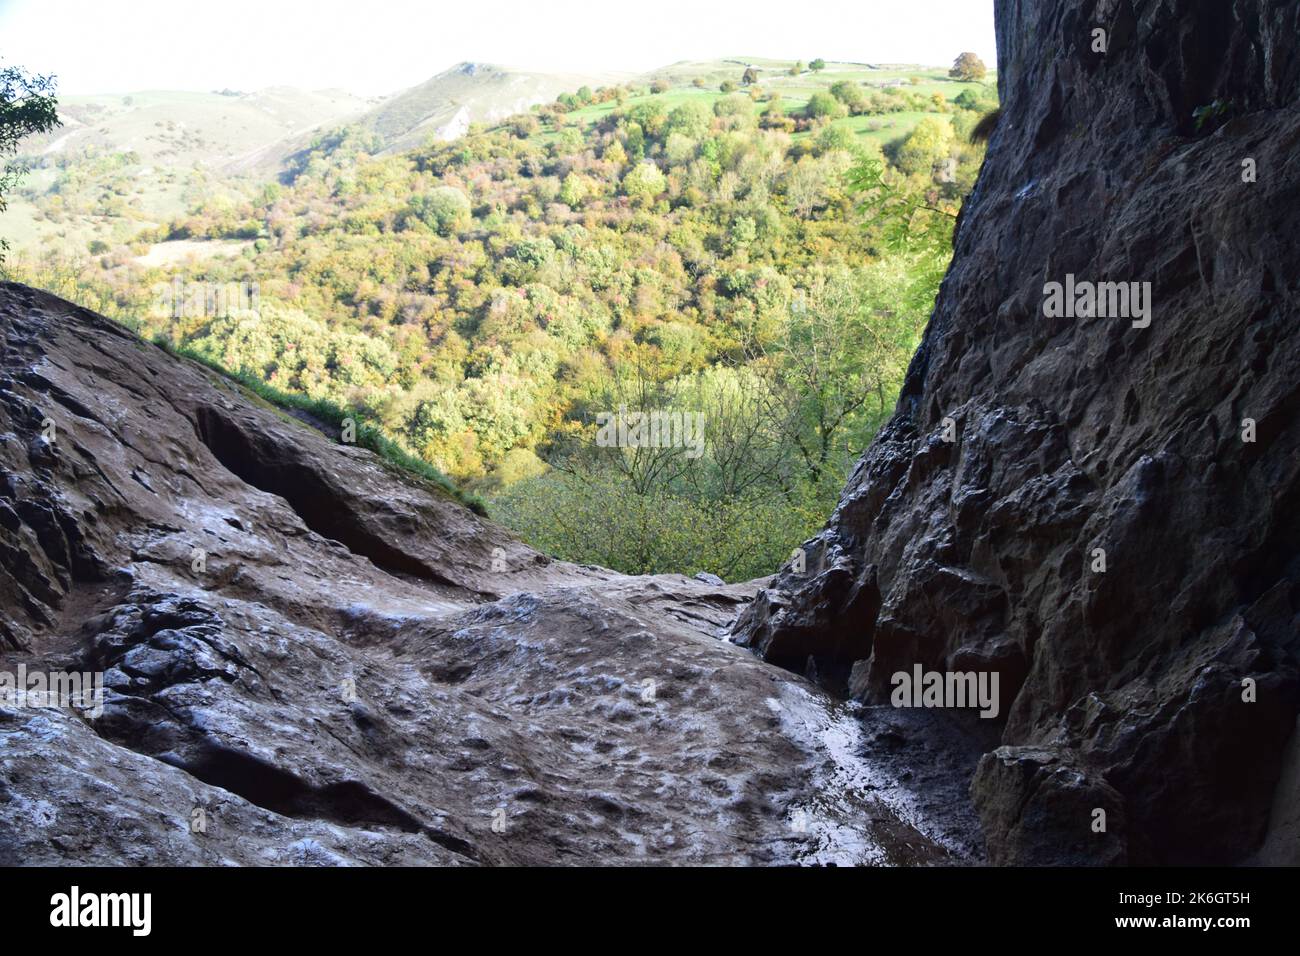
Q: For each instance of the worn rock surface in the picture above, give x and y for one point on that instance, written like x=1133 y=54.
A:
x=1120 y=687
x=312 y=659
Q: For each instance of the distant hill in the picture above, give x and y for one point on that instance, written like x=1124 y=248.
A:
x=440 y=108
x=122 y=162
x=444 y=105
x=172 y=128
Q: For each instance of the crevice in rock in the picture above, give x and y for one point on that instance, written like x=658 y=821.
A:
x=281 y=792
x=348 y=802
x=307 y=491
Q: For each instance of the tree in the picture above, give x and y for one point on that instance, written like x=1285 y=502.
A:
x=750 y=77
x=821 y=105
x=976 y=100
x=817 y=65
x=679 y=149
x=836 y=136
x=797 y=68
x=850 y=94
x=525 y=125
x=27 y=106
x=831 y=361
x=573 y=190
x=774 y=116
x=904 y=213
x=726 y=499
x=733 y=106
x=446 y=209
x=644 y=181
x=930 y=142
x=969 y=68
x=650 y=116
x=615 y=154
x=690 y=119
x=635 y=143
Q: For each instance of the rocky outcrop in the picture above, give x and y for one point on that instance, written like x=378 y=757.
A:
x=311 y=658
x=1105 y=512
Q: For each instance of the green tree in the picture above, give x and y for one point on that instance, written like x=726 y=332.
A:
x=905 y=216
x=821 y=105
x=445 y=210
x=573 y=190
x=836 y=136
x=738 y=105
x=644 y=181
x=743 y=232
x=832 y=372
x=817 y=65
x=634 y=142
x=691 y=119
x=850 y=94
x=678 y=149
x=978 y=100
x=27 y=105
x=930 y=142
x=968 y=67
x=615 y=153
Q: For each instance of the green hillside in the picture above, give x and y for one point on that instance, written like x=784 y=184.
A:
x=444 y=106
x=120 y=164
x=763 y=254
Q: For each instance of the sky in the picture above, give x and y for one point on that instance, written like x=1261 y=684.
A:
x=381 y=46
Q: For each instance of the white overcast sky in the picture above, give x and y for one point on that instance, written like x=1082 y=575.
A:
x=381 y=46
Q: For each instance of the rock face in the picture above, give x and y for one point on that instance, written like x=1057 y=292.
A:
x=309 y=658
x=1169 y=159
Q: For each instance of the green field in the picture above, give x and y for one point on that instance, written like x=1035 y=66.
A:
x=795 y=91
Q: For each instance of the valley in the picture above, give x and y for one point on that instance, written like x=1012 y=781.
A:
x=681 y=240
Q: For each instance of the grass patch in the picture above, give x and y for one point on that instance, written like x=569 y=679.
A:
x=887 y=126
